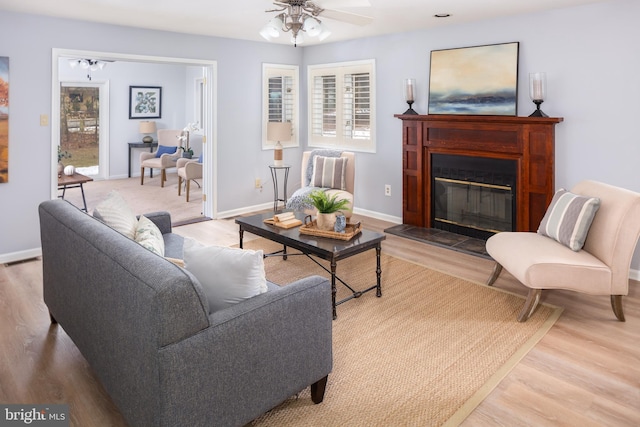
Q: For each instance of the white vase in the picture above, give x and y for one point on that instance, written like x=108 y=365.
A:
x=326 y=221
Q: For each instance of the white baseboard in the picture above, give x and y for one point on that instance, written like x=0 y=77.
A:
x=243 y=211
x=378 y=215
x=20 y=255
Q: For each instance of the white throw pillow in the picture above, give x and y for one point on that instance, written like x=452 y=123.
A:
x=149 y=235
x=227 y=275
x=116 y=213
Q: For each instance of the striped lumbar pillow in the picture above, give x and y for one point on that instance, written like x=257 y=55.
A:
x=329 y=172
x=568 y=218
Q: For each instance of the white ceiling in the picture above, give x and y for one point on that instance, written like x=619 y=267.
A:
x=243 y=19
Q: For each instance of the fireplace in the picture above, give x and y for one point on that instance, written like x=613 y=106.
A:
x=473 y=196
x=511 y=194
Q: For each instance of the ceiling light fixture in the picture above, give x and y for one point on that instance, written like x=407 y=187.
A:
x=298 y=17
x=442 y=15
x=87 y=64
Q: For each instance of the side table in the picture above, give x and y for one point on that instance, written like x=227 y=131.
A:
x=73 y=181
x=132 y=145
x=274 y=178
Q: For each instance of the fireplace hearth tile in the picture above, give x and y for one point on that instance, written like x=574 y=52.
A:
x=445 y=239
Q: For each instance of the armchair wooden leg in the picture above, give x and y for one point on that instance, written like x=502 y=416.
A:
x=179 y=185
x=317 y=390
x=188 y=186
x=616 y=304
x=533 y=298
x=497 y=269
x=141 y=176
x=163 y=178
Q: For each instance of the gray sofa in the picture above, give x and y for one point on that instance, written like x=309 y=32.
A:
x=143 y=324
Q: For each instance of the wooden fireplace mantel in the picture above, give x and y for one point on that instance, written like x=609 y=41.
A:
x=528 y=140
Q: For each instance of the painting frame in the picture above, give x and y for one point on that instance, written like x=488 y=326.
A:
x=145 y=102
x=4 y=119
x=475 y=80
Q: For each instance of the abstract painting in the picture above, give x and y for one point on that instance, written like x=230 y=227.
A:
x=145 y=102
x=4 y=119
x=480 y=80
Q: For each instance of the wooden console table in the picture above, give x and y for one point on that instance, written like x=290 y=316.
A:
x=530 y=141
x=149 y=145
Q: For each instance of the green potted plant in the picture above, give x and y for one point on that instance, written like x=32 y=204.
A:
x=62 y=155
x=327 y=207
x=187 y=152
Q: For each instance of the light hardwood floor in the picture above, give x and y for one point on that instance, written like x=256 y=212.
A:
x=584 y=372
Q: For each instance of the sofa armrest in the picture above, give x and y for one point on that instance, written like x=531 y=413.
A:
x=161 y=219
x=254 y=355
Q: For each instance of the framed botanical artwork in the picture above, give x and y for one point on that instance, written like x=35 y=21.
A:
x=481 y=80
x=145 y=102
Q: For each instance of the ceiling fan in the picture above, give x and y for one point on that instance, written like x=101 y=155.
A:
x=304 y=16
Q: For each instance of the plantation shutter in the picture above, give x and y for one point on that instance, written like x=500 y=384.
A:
x=341 y=106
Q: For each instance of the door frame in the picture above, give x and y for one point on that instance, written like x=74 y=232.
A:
x=209 y=146
x=103 y=136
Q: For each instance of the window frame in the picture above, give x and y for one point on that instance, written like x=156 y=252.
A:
x=281 y=70
x=339 y=140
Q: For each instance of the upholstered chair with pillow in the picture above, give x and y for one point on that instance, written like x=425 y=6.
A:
x=585 y=243
x=188 y=169
x=164 y=157
x=331 y=170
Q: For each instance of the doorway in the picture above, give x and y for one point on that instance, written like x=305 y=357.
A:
x=83 y=108
x=207 y=110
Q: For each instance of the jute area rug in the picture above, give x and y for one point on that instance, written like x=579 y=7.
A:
x=424 y=354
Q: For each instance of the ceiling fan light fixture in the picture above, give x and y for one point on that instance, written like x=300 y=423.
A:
x=324 y=32
x=312 y=27
x=272 y=29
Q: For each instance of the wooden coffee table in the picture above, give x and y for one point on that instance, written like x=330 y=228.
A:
x=73 y=181
x=332 y=250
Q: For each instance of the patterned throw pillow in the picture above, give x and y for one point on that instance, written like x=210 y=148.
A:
x=569 y=218
x=329 y=172
x=116 y=213
x=149 y=235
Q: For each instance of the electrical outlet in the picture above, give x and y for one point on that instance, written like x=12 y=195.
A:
x=258 y=183
x=387 y=190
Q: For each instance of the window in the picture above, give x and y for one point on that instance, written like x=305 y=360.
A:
x=280 y=100
x=342 y=105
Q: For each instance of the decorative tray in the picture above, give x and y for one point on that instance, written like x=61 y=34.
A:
x=350 y=231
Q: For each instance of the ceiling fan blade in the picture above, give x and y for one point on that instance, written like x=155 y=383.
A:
x=331 y=4
x=351 y=18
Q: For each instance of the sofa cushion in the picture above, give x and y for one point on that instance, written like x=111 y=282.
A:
x=149 y=236
x=164 y=149
x=568 y=218
x=227 y=275
x=329 y=172
x=116 y=213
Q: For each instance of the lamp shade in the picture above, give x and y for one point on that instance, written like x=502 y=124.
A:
x=279 y=131
x=147 y=127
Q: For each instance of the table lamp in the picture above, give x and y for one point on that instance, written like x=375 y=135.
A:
x=147 y=127
x=278 y=132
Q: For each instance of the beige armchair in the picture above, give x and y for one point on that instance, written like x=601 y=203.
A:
x=188 y=170
x=166 y=138
x=296 y=201
x=601 y=267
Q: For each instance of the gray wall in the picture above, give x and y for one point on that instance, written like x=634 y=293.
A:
x=588 y=53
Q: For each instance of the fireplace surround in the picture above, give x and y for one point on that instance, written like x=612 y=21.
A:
x=527 y=144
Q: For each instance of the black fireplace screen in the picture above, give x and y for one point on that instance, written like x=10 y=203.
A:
x=473 y=196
